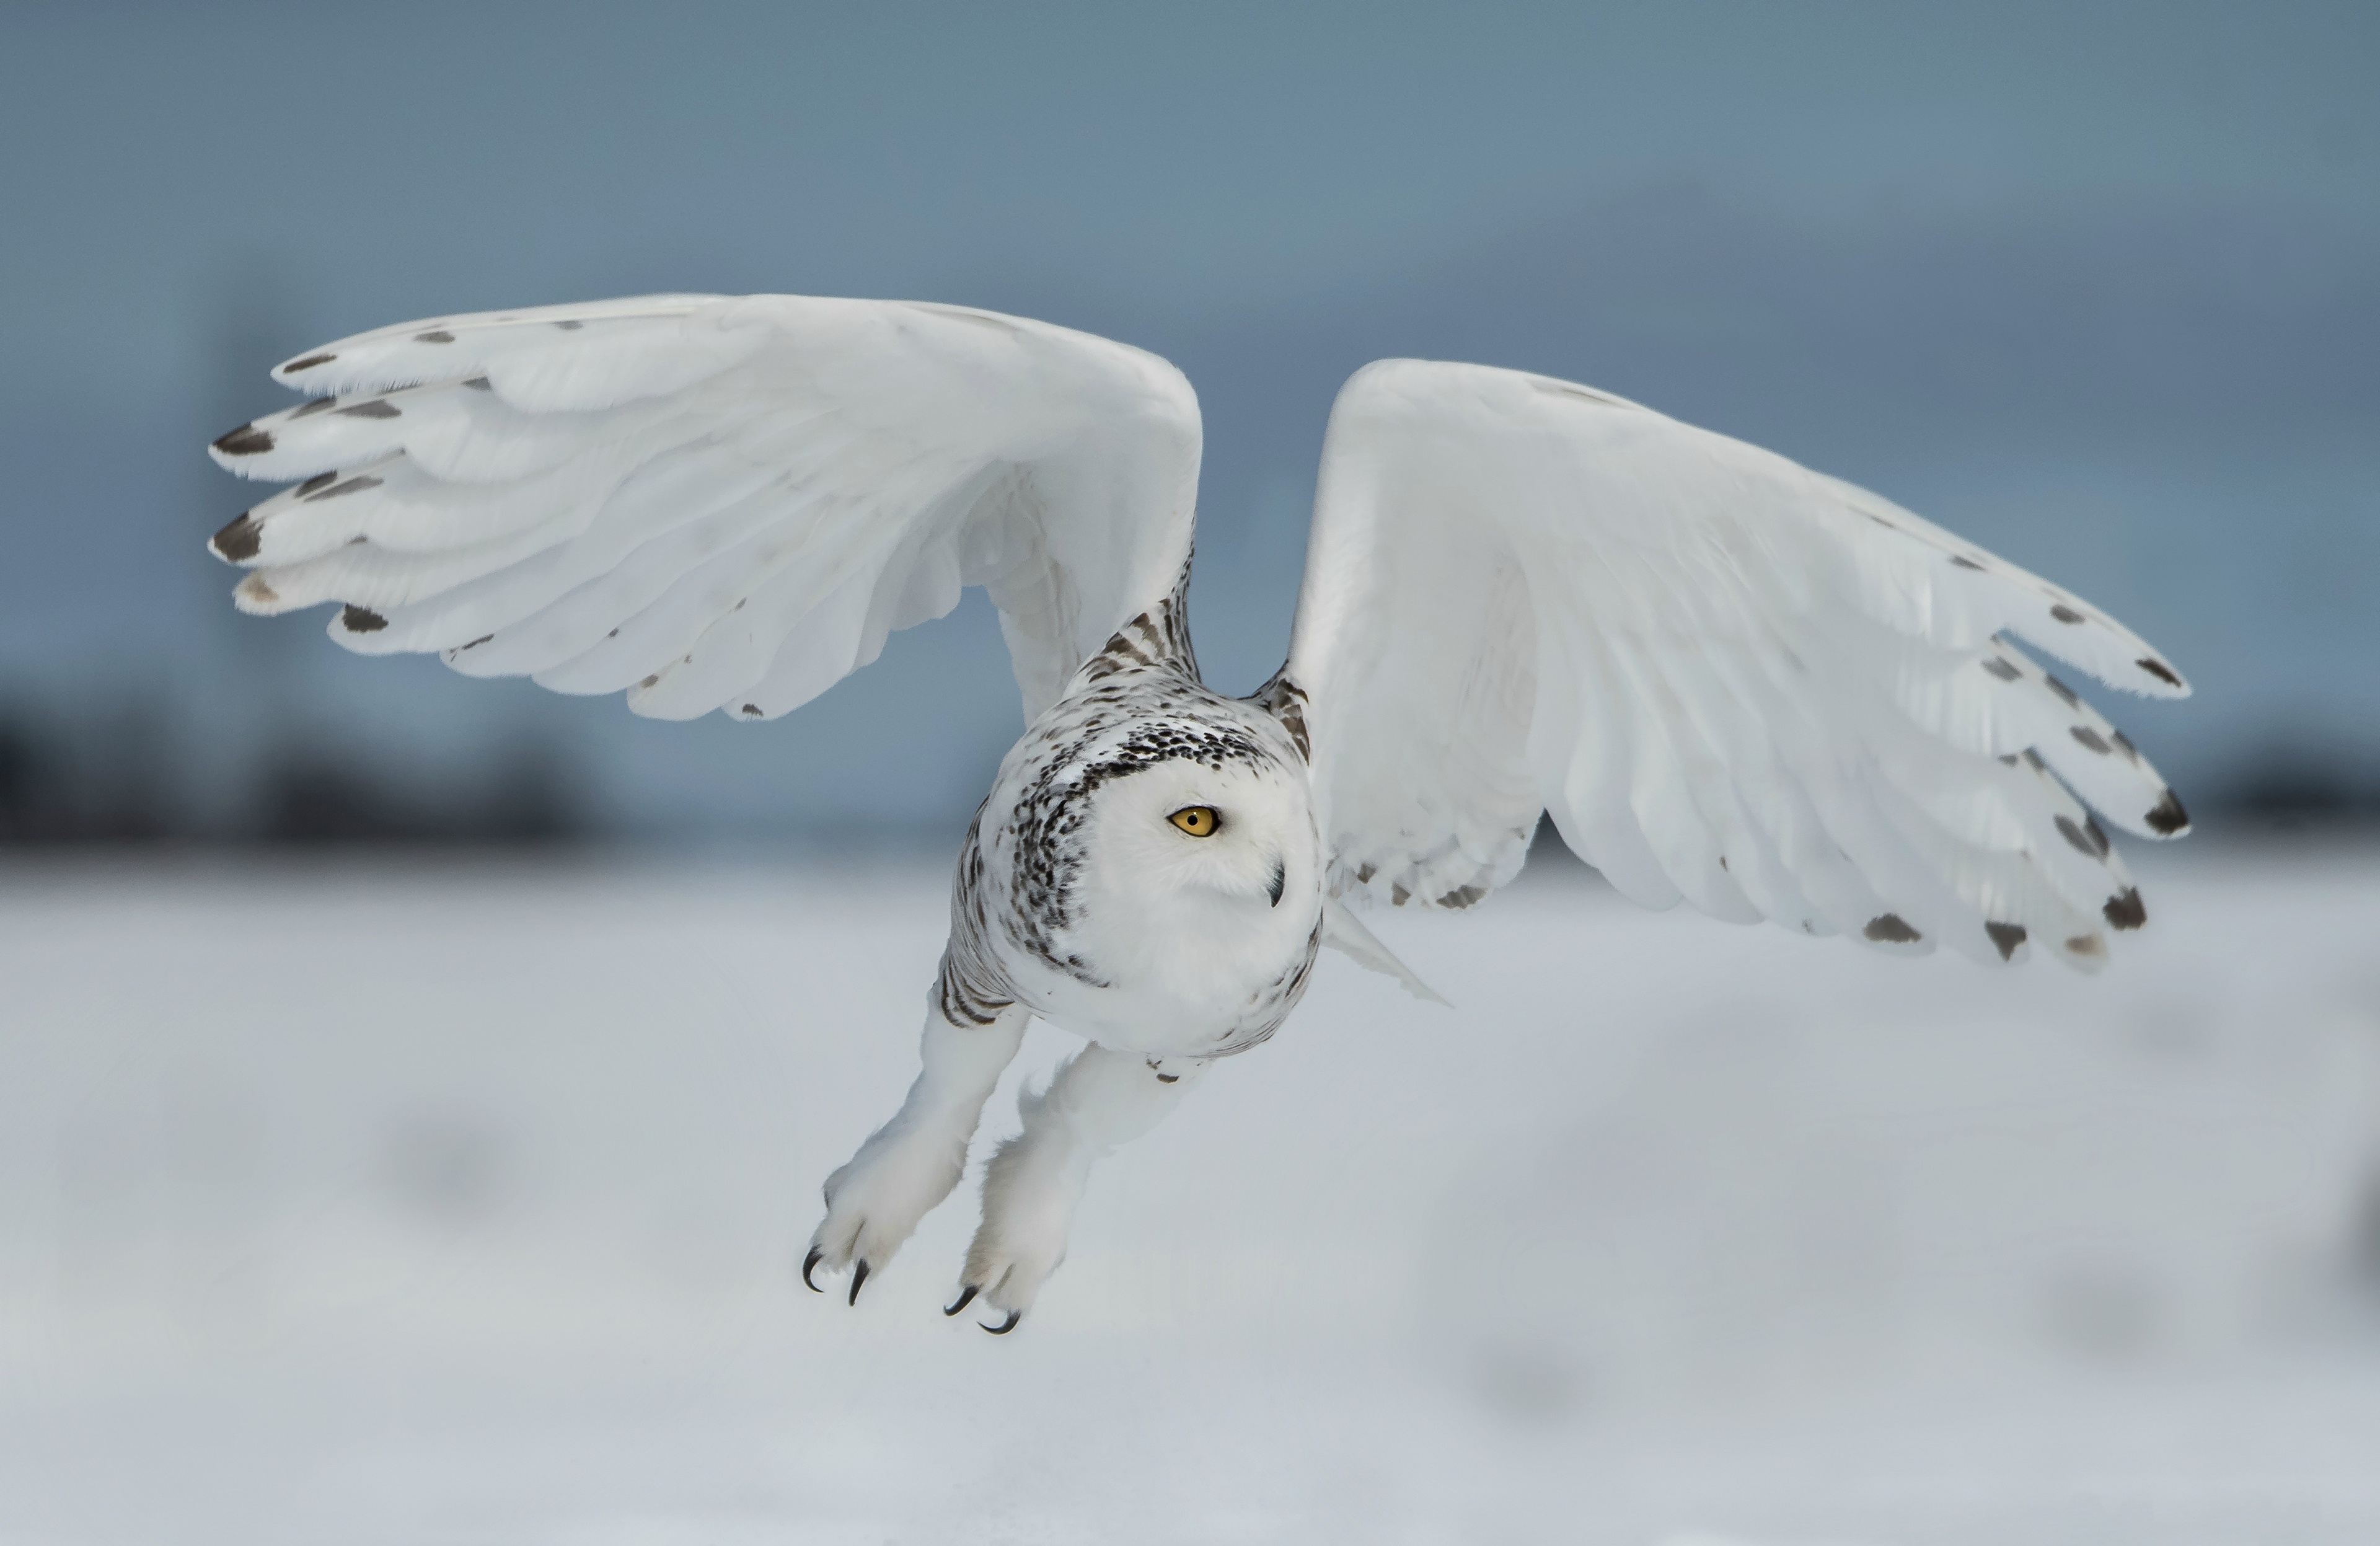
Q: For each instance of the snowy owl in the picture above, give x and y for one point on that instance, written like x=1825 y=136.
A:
x=1729 y=679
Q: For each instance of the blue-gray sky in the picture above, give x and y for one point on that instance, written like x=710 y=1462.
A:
x=2095 y=285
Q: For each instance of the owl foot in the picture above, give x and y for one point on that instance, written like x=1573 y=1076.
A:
x=909 y=1164
x=874 y=1202
x=1100 y=1099
x=1029 y=1191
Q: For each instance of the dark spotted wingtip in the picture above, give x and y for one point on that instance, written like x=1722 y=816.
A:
x=2005 y=938
x=240 y=541
x=2159 y=670
x=245 y=441
x=2166 y=818
x=305 y=363
x=435 y=335
x=1891 y=929
x=2125 y=910
x=361 y=619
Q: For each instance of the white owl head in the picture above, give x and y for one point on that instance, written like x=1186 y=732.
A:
x=1233 y=838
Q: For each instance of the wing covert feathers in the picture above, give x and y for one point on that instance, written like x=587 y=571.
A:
x=1730 y=680
x=717 y=502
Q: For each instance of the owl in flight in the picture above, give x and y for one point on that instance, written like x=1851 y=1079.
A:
x=1729 y=679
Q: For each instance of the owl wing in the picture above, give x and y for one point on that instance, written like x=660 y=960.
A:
x=1729 y=679
x=718 y=502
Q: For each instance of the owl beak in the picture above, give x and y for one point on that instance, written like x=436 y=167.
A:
x=1280 y=878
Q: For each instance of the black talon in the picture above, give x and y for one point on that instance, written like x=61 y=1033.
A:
x=807 y=1263
x=858 y=1276
x=966 y=1295
x=1005 y=1326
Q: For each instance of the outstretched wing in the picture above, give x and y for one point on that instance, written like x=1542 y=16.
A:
x=718 y=502
x=1729 y=679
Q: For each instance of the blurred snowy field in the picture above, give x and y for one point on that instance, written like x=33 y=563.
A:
x=366 y=1202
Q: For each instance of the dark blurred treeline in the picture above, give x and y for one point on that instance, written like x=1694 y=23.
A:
x=2288 y=787
x=112 y=778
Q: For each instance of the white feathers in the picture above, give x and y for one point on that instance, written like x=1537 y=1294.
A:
x=1732 y=680
x=1344 y=933
x=715 y=502
x=643 y=347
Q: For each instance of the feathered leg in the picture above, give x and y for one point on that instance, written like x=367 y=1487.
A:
x=910 y=1164
x=1101 y=1100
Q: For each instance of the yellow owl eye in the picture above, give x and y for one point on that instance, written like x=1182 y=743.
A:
x=1198 y=820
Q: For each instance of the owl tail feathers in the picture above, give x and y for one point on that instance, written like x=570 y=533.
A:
x=1342 y=933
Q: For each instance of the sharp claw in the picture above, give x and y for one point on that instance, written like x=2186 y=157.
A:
x=1005 y=1326
x=965 y=1296
x=807 y=1263
x=858 y=1276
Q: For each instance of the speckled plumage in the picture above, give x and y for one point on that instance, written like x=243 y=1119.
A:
x=1016 y=902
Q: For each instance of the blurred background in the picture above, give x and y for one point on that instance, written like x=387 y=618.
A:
x=412 y=1090
x=2097 y=286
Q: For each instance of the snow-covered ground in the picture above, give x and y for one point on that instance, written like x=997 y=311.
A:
x=360 y=1202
